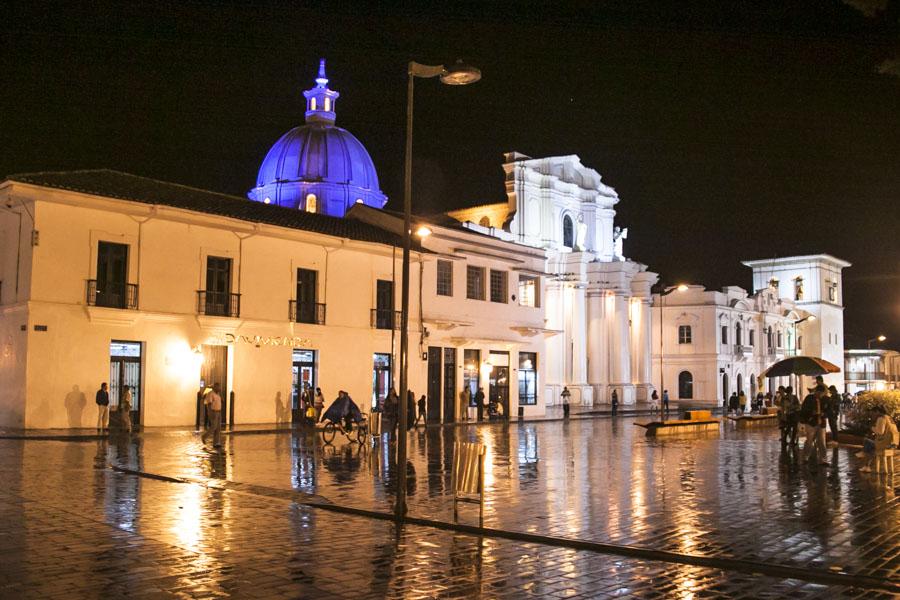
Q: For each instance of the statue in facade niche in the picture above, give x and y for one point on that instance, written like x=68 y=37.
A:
x=580 y=234
x=619 y=236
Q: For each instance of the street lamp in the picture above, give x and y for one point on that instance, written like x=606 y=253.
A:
x=457 y=74
x=665 y=292
x=880 y=338
x=794 y=324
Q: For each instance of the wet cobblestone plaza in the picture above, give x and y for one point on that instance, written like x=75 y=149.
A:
x=184 y=521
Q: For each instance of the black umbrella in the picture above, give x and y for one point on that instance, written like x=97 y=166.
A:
x=801 y=365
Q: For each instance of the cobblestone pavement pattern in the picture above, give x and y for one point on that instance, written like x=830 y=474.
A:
x=70 y=527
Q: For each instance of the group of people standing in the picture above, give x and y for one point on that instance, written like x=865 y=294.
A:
x=312 y=403
x=123 y=414
x=819 y=410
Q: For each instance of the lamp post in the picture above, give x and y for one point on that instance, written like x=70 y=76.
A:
x=457 y=74
x=665 y=292
x=794 y=324
x=880 y=338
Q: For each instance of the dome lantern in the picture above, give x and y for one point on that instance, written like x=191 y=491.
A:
x=320 y=100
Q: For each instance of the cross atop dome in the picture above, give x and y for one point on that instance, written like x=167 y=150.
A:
x=320 y=100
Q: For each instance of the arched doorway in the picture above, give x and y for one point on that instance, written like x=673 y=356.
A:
x=752 y=386
x=740 y=384
x=685 y=385
x=725 y=389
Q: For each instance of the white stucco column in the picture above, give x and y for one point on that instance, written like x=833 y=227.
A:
x=641 y=329
x=578 y=335
x=621 y=353
x=597 y=343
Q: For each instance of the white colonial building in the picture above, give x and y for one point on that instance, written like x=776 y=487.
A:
x=712 y=343
x=871 y=369
x=596 y=298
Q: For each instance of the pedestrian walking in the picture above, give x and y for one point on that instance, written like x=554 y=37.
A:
x=742 y=402
x=654 y=402
x=319 y=403
x=213 y=402
x=102 y=400
x=666 y=401
x=565 y=395
x=615 y=402
x=421 y=406
x=812 y=415
x=479 y=403
x=833 y=411
x=125 y=409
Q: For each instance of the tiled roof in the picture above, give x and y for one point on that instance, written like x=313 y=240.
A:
x=124 y=186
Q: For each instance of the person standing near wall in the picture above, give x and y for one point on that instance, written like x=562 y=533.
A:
x=465 y=397
x=125 y=409
x=479 y=403
x=615 y=402
x=102 y=400
x=213 y=402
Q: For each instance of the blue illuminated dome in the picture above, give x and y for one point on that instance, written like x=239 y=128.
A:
x=318 y=167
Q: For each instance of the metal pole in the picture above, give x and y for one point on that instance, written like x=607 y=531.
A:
x=400 y=507
x=662 y=389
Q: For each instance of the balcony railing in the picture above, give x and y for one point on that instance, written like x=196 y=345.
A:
x=741 y=349
x=218 y=304
x=384 y=318
x=770 y=351
x=112 y=295
x=306 y=312
x=865 y=375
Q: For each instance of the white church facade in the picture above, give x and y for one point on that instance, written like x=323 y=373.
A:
x=709 y=344
x=598 y=300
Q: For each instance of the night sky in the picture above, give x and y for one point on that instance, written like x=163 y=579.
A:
x=730 y=132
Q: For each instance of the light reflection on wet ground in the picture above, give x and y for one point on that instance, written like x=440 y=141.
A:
x=732 y=494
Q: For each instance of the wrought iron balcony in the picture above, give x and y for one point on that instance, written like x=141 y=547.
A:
x=218 y=304
x=306 y=312
x=770 y=351
x=112 y=295
x=743 y=350
x=385 y=318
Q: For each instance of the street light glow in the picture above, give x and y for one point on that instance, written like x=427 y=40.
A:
x=682 y=287
x=423 y=231
x=881 y=338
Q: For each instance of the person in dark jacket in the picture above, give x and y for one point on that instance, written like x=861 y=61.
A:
x=410 y=409
x=615 y=402
x=832 y=411
x=479 y=403
x=102 y=400
x=421 y=407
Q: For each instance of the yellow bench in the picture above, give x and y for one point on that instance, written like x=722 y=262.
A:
x=698 y=415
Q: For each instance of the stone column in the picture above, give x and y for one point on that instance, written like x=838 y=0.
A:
x=641 y=348
x=597 y=343
x=621 y=350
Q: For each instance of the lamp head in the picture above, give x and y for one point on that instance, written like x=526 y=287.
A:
x=881 y=338
x=423 y=231
x=681 y=287
x=460 y=73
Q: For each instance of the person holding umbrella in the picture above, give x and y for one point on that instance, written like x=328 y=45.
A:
x=813 y=416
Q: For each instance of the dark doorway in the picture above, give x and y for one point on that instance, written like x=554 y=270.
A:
x=214 y=370
x=685 y=385
x=435 y=362
x=112 y=275
x=304 y=374
x=450 y=392
x=725 y=390
x=125 y=369
x=381 y=378
x=499 y=380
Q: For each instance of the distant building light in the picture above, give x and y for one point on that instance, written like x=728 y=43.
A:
x=267 y=200
x=359 y=201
